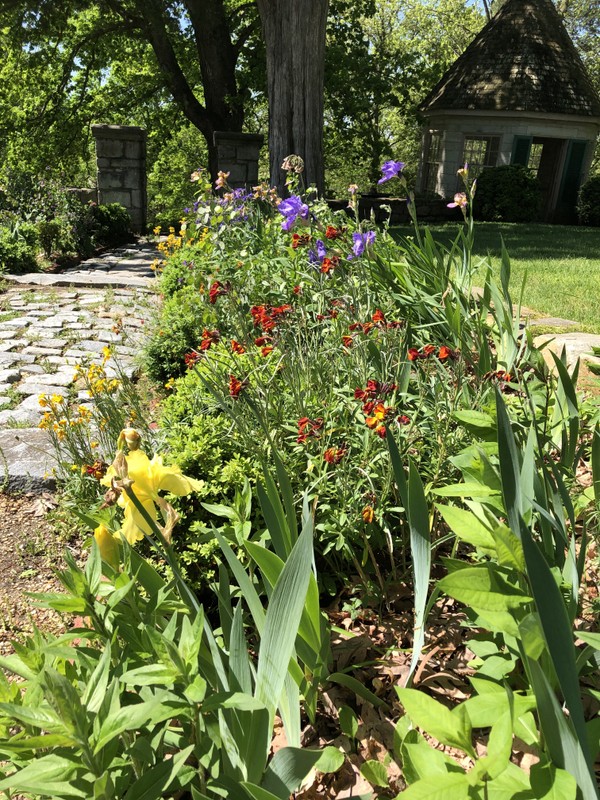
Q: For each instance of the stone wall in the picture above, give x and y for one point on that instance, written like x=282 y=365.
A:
x=237 y=153
x=121 y=166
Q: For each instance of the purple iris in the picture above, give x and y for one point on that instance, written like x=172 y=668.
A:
x=292 y=208
x=390 y=169
x=313 y=258
x=321 y=249
x=360 y=242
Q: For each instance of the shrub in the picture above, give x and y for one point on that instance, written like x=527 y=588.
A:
x=588 y=205
x=178 y=331
x=507 y=194
x=18 y=248
x=112 y=223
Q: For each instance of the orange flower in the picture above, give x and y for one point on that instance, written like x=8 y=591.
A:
x=447 y=352
x=347 y=341
x=379 y=414
x=368 y=514
x=236 y=347
x=333 y=455
x=378 y=317
x=209 y=338
x=413 y=354
x=428 y=350
x=236 y=386
x=266 y=350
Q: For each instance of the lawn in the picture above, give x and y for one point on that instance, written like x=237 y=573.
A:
x=561 y=265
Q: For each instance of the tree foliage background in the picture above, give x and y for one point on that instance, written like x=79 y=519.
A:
x=65 y=66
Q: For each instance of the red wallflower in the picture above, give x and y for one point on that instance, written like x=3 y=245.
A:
x=333 y=455
x=308 y=427
x=328 y=264
x=333 y=233
x=347 y=341
x=412 y=354
x=236 y=386
x=236 y=347
x=428 y=350
x=378 y=317
x=368 y=514
x=381 y=431
x=192 y=358
x=265 y=351
x=209 y=338
x=403 y=419
x=297 y=290
x=216 y=290
x=300 y=239
x=261 y=341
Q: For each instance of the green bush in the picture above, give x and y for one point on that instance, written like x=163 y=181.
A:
x=507 y=194
x=18 y=248
x=588 y=206
x=111 y=223
x=177 y=331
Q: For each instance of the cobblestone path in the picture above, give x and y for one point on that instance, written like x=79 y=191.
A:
x=50 y=324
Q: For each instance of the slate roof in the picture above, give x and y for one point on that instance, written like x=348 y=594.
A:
x=522 y=60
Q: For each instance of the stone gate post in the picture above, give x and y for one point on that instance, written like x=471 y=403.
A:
x=121 y=165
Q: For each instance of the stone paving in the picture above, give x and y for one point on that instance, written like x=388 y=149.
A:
x=52 y=323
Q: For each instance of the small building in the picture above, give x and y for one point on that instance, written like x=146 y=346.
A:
x=519 y=94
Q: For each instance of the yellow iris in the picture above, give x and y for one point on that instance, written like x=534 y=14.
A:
x=149 y=478
x=108 y=545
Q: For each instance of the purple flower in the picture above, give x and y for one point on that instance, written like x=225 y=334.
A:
x=321 y=249
x=292 y=208
x=313 y=258
x=360 y=242
x=390 y=169
x=460 y=201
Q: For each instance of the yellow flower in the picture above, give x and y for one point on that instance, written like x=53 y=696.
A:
x=43 y=400
x=106 y=352
x=94 y=445
x=149 y=478
x=108 y=545
x=57 y=399
x=156 y=230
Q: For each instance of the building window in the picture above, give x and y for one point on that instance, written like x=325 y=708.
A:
x=432 y=162
x=480 y=152
x=535 y=157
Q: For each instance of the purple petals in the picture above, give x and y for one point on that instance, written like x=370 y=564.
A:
x=390 y=169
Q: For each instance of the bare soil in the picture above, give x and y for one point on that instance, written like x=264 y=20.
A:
x=30 y=552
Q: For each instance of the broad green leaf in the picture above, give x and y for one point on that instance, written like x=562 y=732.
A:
x=153 y=784
x=258 y=793
x=562 y=745
x=49 y=776
x=550 y=783
x=220 y=510
x=348 y=722
x=452 y=787
x=420 y=549
x=282 y=621
x=478 y=423
x=467 y=489
x=375 y=772
x=593 y=639
x=508 y=548
x=330 y=760
x=420 y=759
x=288 y=768
x=482 y=589
x=557 y=630
x=95 y=690
x=466 y=526
x=239 y=663
x=43 y=742
x=357 y=687
x=510 y=472
x=437 y=720
x=151 y=675
x=131 y=718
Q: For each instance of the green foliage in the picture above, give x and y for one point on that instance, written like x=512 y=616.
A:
x=17 y=249
x=92 y=719
x=178 y=331
x=588 y=205
x=509 y=193
x=111 y=224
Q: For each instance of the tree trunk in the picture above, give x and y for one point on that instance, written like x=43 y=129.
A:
x=294 y=33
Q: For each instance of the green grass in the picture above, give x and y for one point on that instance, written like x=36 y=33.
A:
x=561 y=264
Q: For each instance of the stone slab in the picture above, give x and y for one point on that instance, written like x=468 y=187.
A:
x=36 y=386
x=30 y=459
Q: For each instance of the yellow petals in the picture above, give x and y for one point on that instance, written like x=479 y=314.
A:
x=107 y=545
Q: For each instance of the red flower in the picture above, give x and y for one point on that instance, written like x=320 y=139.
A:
x=428 y=350
x=327 y=265
x=355 y=326
x=209 y=338
x=403 y=419
x=369 y=406
x=236 y=386
x=360 y=394
x=347 y=341
x=280 y=310
x=378 y=317
x=261 y=341
x=297 y=290
x=447 y=352
x=216 y=290
x=236 y=347
x=381 y=431
x=373 y=387
x=266 y=350
x=308 y=427
x=192 y=358
x=334 y=455
x=413 y=354
x=299 y=239
x=333 y=233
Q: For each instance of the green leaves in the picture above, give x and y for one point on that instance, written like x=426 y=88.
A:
x=452 y=728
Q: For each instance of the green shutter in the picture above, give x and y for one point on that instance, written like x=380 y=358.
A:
x=520 y=150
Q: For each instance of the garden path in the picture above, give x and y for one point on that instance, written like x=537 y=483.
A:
x=50 y=323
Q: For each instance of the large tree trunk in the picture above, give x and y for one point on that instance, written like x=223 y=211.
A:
x=294 y=33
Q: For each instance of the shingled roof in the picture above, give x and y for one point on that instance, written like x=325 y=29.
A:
x=522 y=60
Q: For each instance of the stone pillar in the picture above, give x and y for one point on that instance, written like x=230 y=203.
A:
x=237 y=153
x=121 y=163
